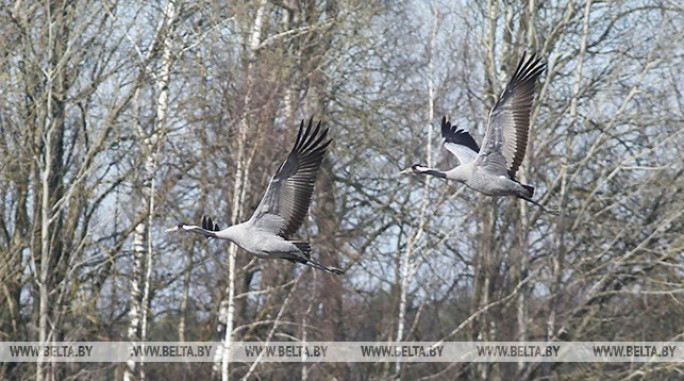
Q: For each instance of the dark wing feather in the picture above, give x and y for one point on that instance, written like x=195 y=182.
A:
x=509 y=119
x=209 y=224
x=288 y=196
x=452 y=134
x=459 y=142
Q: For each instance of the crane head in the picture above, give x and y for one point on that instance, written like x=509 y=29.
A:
x=407 y=171
x=415 y=168
x=176 y=228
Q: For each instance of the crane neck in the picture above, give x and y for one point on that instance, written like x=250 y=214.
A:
x=422 y=170
x=231 y=233
x=460 y=173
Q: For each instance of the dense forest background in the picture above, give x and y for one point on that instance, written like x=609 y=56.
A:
x=120 y=119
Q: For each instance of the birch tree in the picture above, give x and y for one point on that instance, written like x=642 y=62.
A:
x=126 y=121
x=62 y=149
x=407 y=270
x=227 y=310
x=143 y=251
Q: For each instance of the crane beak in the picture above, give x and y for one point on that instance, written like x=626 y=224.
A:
x=406 y=171
x=174 y=229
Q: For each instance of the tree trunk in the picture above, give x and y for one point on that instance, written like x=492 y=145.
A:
x=142 y=242
x=227 y=310
x=51 y=175
x=406 y=270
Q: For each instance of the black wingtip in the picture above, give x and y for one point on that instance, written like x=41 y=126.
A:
x=452 y=134
x=319 y=144
x=312 y=138
x=446 y=127
x=303 y=135
x=526 y=73
x=209 y=224
x=529 y=68
x=298 y=141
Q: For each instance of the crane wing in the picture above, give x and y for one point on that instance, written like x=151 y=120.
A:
x=459 y=142
x=288 y=196
x=505 y=142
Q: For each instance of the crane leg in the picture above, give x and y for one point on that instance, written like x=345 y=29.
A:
x=550 y=211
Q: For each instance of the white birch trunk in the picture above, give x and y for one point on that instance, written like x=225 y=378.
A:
x=558 y=259
x=523 y=260
x=134 y=297
x=44 y=239
x=155 y=145
x=486 y=256
x=142 y=234
x=184 y=297
x=406 y=271
x=45 y=215
x=227 y=310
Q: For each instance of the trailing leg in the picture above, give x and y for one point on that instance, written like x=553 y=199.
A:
x=331 y=269
x=305 y=249
x=550 y=211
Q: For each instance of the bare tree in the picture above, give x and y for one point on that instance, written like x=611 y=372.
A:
x=120 y=118
x=153 y=138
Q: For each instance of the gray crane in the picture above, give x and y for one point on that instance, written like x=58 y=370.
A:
x=491 y=169
x=283 y=207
